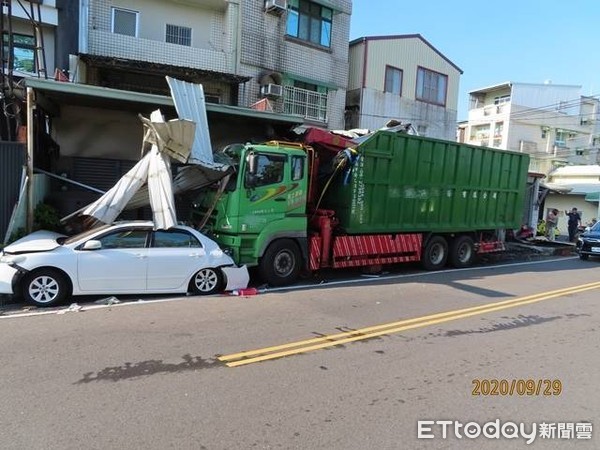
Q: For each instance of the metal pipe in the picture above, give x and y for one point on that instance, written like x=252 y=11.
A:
x=30 y=147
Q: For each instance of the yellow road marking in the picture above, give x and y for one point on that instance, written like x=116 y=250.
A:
x=263 y=354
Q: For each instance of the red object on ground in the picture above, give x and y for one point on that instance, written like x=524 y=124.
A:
x=245 y=292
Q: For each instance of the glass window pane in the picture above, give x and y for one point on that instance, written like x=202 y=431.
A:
x=174 y=239
x=297 y=168
x=24 y=60
x=303 y=27
x=326 y=13
x=315 y=30
x=304 y=7
x=326 y=34
x=124 y=22
x=125 y=239
x=292 y=23
x=269 y=169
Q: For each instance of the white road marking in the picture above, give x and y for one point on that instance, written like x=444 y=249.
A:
x=279 y=289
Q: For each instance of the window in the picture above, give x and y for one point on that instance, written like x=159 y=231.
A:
x=179 y=35
x=501 y=99
x=23 y=55
x=561 y=138
x=297 y=168
x=269 y=169
x=393 y=80
x=309 y=21
x=125 y=21
x=124 y=239
x=175 y=239
x=431 y=86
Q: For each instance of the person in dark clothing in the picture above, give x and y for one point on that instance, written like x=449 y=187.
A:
x=574 y=222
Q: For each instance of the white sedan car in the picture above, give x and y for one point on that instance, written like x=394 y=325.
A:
x=124 y=258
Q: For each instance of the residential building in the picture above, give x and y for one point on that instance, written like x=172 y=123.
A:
x=289 y=57
x=574 y=186
x=402 y=77
x=265 y=66
x=555 y=124
x=28 y=36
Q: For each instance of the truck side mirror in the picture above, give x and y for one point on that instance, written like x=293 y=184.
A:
x=252 y=162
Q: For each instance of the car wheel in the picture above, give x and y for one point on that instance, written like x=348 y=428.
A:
x=45 y=287
x=583 y=256
x=280 y=265
x=207 y=281
x=435 y=254
x=462 y=252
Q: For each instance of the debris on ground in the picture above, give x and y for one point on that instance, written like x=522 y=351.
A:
x=112 y=300
x=73 y=308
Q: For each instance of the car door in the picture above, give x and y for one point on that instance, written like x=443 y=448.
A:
x=173 y=257
x=120 y=266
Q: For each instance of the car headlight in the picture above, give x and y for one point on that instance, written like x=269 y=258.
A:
x=228 y=251
x=11 y=259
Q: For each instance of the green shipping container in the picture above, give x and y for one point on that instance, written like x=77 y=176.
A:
x=405 y=183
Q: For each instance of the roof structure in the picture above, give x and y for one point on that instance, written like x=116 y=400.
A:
x=405 y=36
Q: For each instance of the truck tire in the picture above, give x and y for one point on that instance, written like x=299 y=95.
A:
x=280 y=264
x=435 y=253
x=462 y=252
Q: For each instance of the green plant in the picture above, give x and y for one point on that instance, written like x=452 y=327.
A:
x=46 y=217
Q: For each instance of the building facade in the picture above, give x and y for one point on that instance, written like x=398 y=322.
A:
x=283 y=56
x=555 y=124
x=28 y=34
x=402 y=77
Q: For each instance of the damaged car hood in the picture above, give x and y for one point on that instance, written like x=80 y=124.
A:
x=38 y=241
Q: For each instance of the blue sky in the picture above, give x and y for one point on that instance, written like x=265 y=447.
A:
x=527 y=41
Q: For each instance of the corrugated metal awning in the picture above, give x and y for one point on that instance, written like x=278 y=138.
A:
x=77 y=93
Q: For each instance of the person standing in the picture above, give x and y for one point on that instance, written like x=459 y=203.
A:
x=551 y=222
x=574 y=222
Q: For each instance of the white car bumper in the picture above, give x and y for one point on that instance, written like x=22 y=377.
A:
x=7 y=274
x=237 y=277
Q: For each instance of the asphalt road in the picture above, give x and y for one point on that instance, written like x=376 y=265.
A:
x=160 y=375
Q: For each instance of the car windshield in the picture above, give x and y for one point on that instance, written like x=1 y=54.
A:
x=596 y=227
x=83 y=235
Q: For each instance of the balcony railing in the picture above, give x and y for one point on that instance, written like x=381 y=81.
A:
x=308 y=104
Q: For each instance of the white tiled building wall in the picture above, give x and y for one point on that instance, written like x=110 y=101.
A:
x=150 y=46
x=260 y=37
x=264 y=48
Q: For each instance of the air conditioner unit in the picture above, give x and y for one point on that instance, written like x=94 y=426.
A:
x=271 y=90
x=275 y=6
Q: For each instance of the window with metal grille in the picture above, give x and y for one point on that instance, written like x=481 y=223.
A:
x=179 y=35
x=431 y=86
x=125 y=21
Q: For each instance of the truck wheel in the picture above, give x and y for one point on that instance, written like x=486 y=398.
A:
x=462 y=252
x=435 y=254
x=280 y=264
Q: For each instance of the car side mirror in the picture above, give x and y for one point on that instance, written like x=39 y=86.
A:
x=92 y=244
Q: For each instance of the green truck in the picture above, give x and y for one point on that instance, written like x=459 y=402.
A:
x=387 y=198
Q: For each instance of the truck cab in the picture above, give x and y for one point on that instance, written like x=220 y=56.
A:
x=260 y=216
